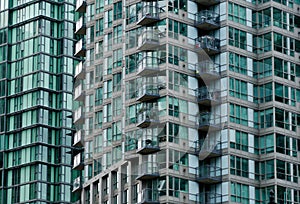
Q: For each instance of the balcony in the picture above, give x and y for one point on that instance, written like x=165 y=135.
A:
x=77 y=184
x=78 y=139
x=209 y=174
x=147 y=118
x=78 y=116
x=209 y=198
x=147 y=143
x=79 y=93
x=80 y=28
x=79 y=71
x=80 y=49
x=147 y=92
x=80 y=6
x=208 y=98
x=207 y=2
x=78 y=162
x=207 y=70
x=149 y=66
x=207 y=20
x=148 y=15
x=209 y=122
x=149 y=39
x=147 y=171
x=208 y=148
x=207 y=43
x=150 y=196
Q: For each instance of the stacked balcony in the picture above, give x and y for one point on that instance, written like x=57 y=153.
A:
x=149 y=14
x=78 y=162
x=77 y=184
x=209 y=198
x=150 y=196
x=80 y=28
x=207 y=2
x=147 y=144
x=208 y=121
x=146 y=118
x=80 y=50
x=149 y=39
x=207 y=20
x=148 y=171
x=208 y=148
x=79 y=93
x=79 y=71
x=209 y=174
x=78 y=139
x=147 y=92
x=78 y=116
x=149 y=66
x=208 y=44
x=80 y=6
x=207 y=70
x=206 y=97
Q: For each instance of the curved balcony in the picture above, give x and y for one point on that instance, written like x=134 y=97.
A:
x=209 y=122
x=207 y=2
x=207 y=20
x=147 y=171
x=147 y=143
x=80 y=6
x=79 y=93
x=149 y=66
x=207 y=70
x=209 y=174
x=80 y=49
x=79 y=71
x=149 y=14
x=150 y=196
x=147 y=118
x=77 y=184
x=208 y=98
x=78 y=162
x=78 y=116
x=147 y=92
x=208 y=149
x=80 y=27
x=149 y=39
x=78 y=138
x=207 y=43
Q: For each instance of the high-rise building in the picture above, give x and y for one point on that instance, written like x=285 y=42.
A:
x=36 y=84
x=191 y=101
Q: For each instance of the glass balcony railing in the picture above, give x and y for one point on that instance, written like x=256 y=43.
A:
x=80 y=6
x=79 y=93
x=78 y=116
x=80 y=26
x=206 y=97
x=78 y=162
x=207 y=43
x=77 y=184
x=149 y=39
x=150 y=66
x=147 y=170
x=150 y=196
x=149 y=14
x=80 y=49
x=207 y=20
x=78 y=139
x=209 y=122
x=147 y=118
x=147 y=92
x=209 y=174
x=208 y=148
x=207 y=70
x=79 y=71
x=147 y=143
x=209 y=198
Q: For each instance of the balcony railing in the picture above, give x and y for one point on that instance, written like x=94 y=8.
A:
x=78 y=139
x=207 y=20
x=147 y=170
x=147 y=143
x=149 y=39
x=80 y=6
x=79 y=71
x=150 y=196
x=150 y=66
x=209 y=174
x=77 y=184
x=207 y=70
x=80 y=26
x=147 y=92
x=209 y=122
x=78 y=162
x=208 y=148
x=206 y=97
x=80 y=49
x=209 y=198
x=149 y=14
x=147 y=118
x=207 y=43
x=79 y=93
x=78 y=116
